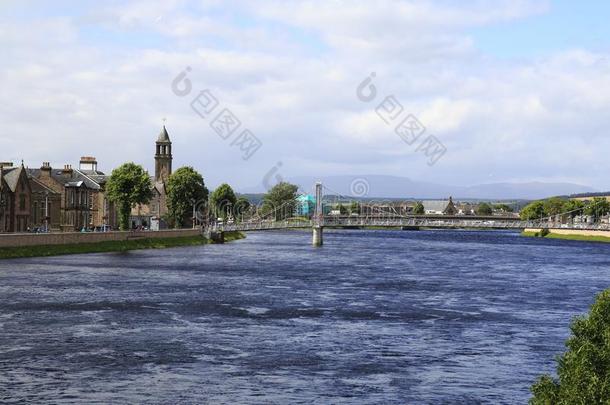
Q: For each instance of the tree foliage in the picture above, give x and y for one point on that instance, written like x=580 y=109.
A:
x=532 y=211
x=222 y=201
x=281 y=200
x=419 y=209
x=503 y=207
x=185 y=188
x=584 y=369
x=242 y=207
x=484 y=209
x=597 y=208
x=574 y=208
x=554 y=206
x=128 y=185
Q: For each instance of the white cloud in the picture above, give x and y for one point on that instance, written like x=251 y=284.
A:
x=289 y=70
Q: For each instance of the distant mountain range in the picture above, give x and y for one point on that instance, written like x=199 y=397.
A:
x=380 y=186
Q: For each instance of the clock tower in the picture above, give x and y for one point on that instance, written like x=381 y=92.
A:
x=163 y=157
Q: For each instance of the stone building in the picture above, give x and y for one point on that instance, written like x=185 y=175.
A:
x=152 y=215
x=78 y=194
x=75 y=199
x=104 y=213
x=74 y=190
x=15 y=198
x=442 y=207
x=46 y=207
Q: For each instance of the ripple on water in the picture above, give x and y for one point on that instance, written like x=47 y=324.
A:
x=371 y=317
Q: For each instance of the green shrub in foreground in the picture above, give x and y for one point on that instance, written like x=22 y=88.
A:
x=584 y=369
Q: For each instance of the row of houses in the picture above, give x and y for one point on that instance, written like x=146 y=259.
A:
x=53 y=199
x=74 y=199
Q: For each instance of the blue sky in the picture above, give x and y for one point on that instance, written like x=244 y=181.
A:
x=515 y=90
x=566 y=24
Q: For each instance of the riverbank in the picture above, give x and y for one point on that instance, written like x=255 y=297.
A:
x=566 y=234
x=110 y=246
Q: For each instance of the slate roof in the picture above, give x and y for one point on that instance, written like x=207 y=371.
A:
x=98 y=177
x=42 y=185
x=11 y=177
x=437 y=206
x=64 y=179
x=163 y=136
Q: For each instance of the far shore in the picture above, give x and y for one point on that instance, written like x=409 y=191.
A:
x=569 y=234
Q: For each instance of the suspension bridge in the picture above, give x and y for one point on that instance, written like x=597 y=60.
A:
x=379 y=218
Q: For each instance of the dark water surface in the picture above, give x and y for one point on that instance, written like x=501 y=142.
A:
x=371 y=317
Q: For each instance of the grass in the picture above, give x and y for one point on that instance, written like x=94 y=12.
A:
x=584 y=238
x=231 y=236
x=109 y=246
x=530 y=234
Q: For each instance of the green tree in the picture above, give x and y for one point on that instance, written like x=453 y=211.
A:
x=128 y=185
x=419 y=209
x=484 y=209
x=532 y=211
x=584 y=369
x=574 y=207
x=342 y=209
x=280 y=200
x=185 y=188
x=242 y=207
x=222 y=201
x=554 y=206
x=354 y=207
x=597 y=208
x=503 y=207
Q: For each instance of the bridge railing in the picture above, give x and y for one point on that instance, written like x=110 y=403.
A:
x=330 y=221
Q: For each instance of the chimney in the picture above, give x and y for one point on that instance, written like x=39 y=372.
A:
x=67 y=170
x=88 y=163
x=45 y=169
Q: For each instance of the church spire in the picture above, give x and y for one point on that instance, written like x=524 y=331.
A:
x=163 y=156
x=163 y=136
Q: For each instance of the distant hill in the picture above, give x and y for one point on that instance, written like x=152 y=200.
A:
x=380 y=186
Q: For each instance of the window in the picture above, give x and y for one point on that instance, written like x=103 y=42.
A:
x=35 y=212
x=22 y=202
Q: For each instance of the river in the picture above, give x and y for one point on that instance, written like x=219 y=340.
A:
x=370 y=317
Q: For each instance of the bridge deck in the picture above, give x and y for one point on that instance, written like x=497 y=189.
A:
x=414 y=222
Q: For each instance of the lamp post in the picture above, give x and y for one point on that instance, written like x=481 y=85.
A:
x=46 y=211
x=105 y=216
x=194 y=217
x=2 y=205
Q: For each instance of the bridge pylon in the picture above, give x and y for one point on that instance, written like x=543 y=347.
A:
x=318 y=218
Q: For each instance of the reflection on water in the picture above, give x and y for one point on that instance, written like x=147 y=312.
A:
x=372 y=316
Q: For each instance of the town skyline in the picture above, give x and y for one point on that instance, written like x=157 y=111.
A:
x=359 y=185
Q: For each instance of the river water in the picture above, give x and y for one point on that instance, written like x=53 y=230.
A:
x=371 y=317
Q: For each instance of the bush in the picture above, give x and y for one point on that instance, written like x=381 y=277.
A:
x=544 y=232
x=584 y=369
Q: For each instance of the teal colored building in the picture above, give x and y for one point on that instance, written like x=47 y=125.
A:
x=306 y=205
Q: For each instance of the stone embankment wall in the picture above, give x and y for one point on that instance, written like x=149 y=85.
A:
x=582 y=232
x=67 y=238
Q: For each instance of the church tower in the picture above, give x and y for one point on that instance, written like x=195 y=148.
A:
x=163 y=157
